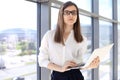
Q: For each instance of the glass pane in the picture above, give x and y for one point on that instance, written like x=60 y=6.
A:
x=83 y=4
x=87 y=31
x=18 y=40
x=119 y=52
x=118 y=10
x=105 y=68
x=54 y=17
x=118 y=40
x=105 y=5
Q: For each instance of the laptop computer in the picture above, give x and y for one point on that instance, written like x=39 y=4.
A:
x=101 y=52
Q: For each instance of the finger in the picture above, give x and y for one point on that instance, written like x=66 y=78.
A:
x=72 y=64
x=94 y=64
x=96 y=60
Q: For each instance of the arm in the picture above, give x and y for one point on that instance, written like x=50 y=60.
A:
x=44 y=57
x=63 y=68
x=55 y=67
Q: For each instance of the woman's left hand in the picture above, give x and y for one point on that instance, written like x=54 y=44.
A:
x=94 y=63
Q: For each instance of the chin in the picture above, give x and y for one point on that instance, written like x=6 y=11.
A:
x=71 y=23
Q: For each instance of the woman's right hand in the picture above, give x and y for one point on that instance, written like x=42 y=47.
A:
x=67 y=65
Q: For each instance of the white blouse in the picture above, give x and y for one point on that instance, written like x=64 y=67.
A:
x=56 y=53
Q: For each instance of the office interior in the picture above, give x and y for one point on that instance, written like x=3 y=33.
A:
x=24 y=22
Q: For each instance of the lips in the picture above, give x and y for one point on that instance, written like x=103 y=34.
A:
x=70 y=19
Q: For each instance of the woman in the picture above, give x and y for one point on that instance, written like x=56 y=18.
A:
x=63 y=48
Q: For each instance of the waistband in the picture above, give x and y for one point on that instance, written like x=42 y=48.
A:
x=73 y=71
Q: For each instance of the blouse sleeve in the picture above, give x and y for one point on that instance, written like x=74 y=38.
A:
x=43 y=57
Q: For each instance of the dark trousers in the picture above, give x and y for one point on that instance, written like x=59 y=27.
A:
x=74 y=74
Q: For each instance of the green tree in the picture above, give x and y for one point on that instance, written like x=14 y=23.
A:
x=27 y=48
x=2 y=48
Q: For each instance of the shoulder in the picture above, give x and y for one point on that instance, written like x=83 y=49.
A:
x=49 y=33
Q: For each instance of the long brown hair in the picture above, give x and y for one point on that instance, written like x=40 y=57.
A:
x=60 y=25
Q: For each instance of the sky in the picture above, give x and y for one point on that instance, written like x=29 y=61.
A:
x=17 y=14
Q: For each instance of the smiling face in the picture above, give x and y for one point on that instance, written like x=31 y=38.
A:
x=70 y=15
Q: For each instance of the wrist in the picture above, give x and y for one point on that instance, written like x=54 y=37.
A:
x=61 y=69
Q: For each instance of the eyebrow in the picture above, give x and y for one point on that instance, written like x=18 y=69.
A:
x=70 y=10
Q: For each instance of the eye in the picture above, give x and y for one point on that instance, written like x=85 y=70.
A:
x=67 y=12
x=74 y=12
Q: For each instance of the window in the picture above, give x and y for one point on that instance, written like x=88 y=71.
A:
x=54 y=17
x=118 y=52
x=87 y=31
x=105 y=68
x=18 y=37
x=83 y=4
x=118 y=40
x=105 y=5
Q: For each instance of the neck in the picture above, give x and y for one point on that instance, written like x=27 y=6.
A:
x=68 y=29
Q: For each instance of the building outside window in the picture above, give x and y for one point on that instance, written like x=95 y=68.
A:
x=18 y=40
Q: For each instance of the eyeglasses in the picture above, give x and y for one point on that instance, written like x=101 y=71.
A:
x=66 y=12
